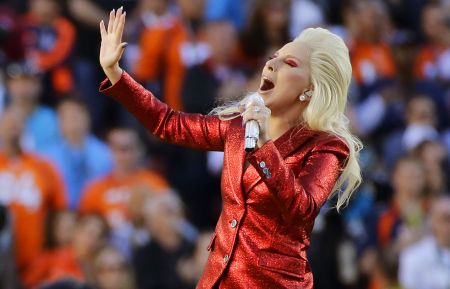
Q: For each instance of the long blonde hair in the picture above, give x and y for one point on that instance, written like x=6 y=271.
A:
x=331 y=73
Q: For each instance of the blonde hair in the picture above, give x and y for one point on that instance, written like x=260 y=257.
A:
x=331 y=73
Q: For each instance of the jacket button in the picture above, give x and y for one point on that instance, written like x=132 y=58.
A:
x=234 y=223
x=226 y=258
x=262 y=164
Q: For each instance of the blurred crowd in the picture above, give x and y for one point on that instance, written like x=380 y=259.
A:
x=87 y=197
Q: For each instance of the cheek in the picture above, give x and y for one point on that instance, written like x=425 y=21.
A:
x=294 y=82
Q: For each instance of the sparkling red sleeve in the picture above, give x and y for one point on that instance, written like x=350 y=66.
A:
x=301 y=196
x=192 y=130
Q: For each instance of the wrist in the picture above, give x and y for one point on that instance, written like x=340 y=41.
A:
x=113 y=73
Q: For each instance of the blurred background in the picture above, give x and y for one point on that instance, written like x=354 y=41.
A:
x=89 y=200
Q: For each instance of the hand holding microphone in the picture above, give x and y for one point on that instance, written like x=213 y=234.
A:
x=256 y=118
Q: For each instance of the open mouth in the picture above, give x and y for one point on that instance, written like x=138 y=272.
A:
x=267 y=85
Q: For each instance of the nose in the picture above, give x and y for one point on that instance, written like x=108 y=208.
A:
x=271 y=65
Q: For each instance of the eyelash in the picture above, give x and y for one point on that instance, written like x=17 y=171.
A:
x=291 y=63
x=288 y=62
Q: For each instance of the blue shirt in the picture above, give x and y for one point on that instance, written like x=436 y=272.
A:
x=79 y=165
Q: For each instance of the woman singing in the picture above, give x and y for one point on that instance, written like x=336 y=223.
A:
x=271 y=195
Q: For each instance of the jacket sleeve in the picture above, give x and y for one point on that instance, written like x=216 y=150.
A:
x=301 y=196
x=191 y=130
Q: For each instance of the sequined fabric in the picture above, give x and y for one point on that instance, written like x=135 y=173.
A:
x=262 y=234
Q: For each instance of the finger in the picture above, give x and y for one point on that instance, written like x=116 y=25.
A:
x=119 y=51
x=102 y=29
x=117 y=18
x=112 y=17
x=121 y=26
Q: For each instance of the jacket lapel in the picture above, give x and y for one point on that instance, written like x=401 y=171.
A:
x=235 y=158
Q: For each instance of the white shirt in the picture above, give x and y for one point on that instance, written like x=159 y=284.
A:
x=425 y=265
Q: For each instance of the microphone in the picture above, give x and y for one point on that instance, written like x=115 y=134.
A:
x=251 y=126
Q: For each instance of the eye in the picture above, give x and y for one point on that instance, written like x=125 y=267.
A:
x=291 y=63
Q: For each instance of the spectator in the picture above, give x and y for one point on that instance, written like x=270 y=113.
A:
x=191 y=268
x=112 y=270
x=78 y=154
x=368 y=26
x=110 y=195
x=49 y=40
x=434 y=57
x=402 y=222
x=24 y=86
x=157 y=260
x=169 y=44
x=425 y=264
x=29 y=186
x=86 y=14
x=267 y=28
x=76 y=259
x=420 y=116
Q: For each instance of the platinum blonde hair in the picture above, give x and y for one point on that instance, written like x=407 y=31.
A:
x=331 y=73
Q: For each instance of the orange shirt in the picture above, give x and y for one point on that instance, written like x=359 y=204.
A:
x=30 y=187
x=425 y=66
x=371 y=62
x=53 y=265
x=163 y=45
x=110 y=196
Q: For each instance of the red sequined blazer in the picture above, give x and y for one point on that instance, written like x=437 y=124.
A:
x=269 y=208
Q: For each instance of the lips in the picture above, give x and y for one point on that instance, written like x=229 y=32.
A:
x=267 y=84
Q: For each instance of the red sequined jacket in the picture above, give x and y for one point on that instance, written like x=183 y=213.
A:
x=269 y=208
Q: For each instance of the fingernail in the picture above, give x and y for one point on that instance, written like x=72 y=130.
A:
x=124 y=13
x=125 y=44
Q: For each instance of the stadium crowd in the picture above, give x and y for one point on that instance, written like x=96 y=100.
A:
x=86 y=195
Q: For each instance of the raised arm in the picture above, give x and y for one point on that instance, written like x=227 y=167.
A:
x=192 y=130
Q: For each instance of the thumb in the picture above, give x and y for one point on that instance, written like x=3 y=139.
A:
x=120 y=49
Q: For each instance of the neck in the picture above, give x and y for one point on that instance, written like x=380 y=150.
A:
x=122 y=171
x=11 y=150
x=281 y=122
x=278 y=126
x=75 y=139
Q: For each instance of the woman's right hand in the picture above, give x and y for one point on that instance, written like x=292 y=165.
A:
x=112 y=47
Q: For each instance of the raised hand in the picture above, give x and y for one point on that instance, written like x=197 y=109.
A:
x=112 y=47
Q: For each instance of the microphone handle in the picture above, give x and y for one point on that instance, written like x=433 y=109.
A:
x=251 y=135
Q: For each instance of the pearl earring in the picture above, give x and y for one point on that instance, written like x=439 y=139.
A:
x=302 y=97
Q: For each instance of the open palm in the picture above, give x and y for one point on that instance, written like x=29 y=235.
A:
x=112 y=47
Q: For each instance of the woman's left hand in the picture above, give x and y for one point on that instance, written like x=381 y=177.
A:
x=256 y=110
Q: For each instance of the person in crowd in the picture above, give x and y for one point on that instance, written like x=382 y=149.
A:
x=425 y=264
x=111 y=270
x=420 y=126
x=169 y=44
x=266 y=30
x=304 y=152
x=156 y=262
x=79 y=155
x=402 y=222
x=434 y=157
x=49 y=41
x=110 y=195
x=74 y=260
x=368 y=28
x=29 y=186
x=24 y=88
x=85 y=14
x=433 y=58
x=190 y=268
